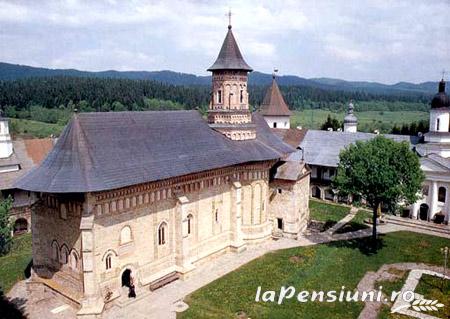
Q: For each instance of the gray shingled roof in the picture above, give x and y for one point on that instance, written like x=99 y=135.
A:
x=323 y=147
x=445 y=162
x=230 y=57
x=101 y=151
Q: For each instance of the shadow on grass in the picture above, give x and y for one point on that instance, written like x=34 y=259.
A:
x=364 y=245
x=12 y=309
x=351 y=227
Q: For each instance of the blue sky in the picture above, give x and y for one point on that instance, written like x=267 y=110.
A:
x=370 y=40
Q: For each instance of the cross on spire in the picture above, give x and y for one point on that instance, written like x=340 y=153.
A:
x=443 y=74
x=229 y=14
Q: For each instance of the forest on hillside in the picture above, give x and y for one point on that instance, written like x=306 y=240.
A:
x=53 y=99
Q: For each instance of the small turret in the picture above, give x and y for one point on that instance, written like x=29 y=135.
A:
x=350 y=120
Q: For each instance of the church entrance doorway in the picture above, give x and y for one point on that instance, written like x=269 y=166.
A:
x=126 y=278
x=423 y=212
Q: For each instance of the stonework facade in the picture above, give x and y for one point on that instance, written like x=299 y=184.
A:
x=85 y=244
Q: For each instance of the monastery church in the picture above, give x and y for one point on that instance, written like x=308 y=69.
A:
x=149 y=195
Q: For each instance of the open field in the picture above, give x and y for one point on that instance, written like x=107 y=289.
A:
x=28 y=128
x=312 y=119
x=14 y=264
x=367 y=121
x=321 y=267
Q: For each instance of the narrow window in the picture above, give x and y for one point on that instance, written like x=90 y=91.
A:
x=279 y=190
x=108 y=262
x=219 y=96
x=241 y=97
x=441 y=194
x=162 y=234
x=274 y=124
x=437 y=124
x=217 y=216
x=189 y=226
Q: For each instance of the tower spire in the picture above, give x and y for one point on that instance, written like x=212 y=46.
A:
x=229 y=14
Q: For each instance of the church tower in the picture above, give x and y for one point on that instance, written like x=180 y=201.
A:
x=437 y=140
x=350 y=120
x=229 y=111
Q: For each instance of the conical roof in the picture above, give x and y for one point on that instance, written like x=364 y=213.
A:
x=230 y=57
x=273 y=103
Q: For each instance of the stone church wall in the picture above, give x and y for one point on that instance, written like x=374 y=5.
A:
x=57 y=242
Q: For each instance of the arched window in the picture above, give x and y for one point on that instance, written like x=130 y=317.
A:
x=64 y=254
x=189 y=223
x=219 y=96
x=55 y=251
x=442 y=194
x=162 y=233
x=241 y=97
x=216 y=215
x=125 y=235
x=108 y=262
x=438 y=122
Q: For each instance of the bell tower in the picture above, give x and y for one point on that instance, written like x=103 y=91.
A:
x=228 y=111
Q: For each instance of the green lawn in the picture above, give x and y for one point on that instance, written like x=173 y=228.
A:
x=357 y=222
x=13 y=265
x=432 y=287
x=328 y=213
x=28 y=128
x=320 y=267
x=367 y=121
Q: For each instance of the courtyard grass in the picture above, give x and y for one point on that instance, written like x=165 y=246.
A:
x=14 y=265
x=321 y=267
x=327 y=213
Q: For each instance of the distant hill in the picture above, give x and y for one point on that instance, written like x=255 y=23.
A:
x=10 y=72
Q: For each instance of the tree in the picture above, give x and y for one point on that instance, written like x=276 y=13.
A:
x=381 y=171
x=5 y=226
x=331 y=122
